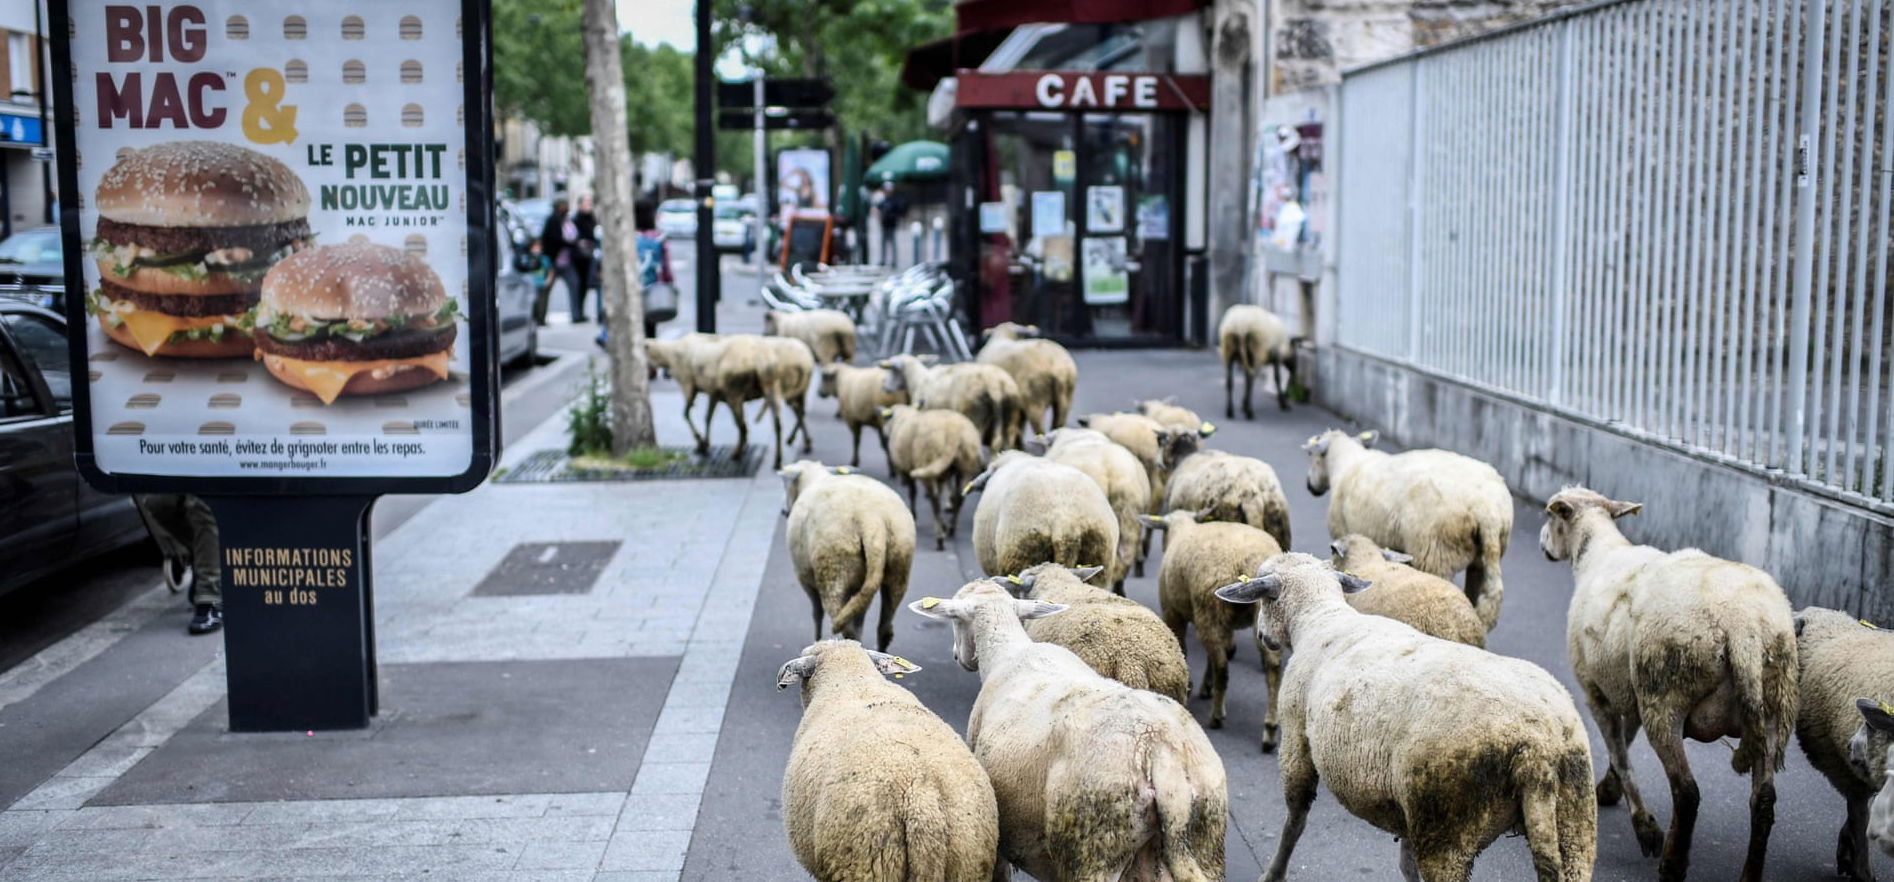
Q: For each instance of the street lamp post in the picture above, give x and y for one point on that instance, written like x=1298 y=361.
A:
x=762 y=198
x=705 y=159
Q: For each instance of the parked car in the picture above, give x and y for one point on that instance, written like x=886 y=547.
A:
x=513 y=292
x=49 y=516
x=677 y=218
x=33 y=269
x=734 y=229
x=528 y=214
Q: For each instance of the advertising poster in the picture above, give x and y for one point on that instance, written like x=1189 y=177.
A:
x=273 y=238
x=802 y=180
x=1048 y=213
x=1106 y=281
x=1154 y=217
x=1105 y=209
x=992 y=217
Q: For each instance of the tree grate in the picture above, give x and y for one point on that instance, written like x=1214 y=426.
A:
x=556 y=467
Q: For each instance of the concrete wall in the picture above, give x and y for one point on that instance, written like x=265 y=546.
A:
x=1313 y=41
x=1824 y=552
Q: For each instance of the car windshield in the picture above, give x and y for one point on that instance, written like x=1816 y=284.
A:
x=533 y=212
x=676 y=206
x=33 y=246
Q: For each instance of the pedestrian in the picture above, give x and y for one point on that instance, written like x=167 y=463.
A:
x=587 y=255
x=892 y=208
x=652 y=253
x=558 y=241
x=186 y=533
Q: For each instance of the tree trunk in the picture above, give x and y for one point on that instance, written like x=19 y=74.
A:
x=1232 y=138
x=622 y=290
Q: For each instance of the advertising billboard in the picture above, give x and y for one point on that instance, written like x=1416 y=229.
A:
x=802 y=180
x=278 y=214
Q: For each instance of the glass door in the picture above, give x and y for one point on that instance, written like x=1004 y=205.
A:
x=1129 y=275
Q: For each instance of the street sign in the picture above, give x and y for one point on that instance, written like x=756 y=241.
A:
x=20 y=128
x=290 y=307
x=745 y=120
x=43 y=154
x=777 y=92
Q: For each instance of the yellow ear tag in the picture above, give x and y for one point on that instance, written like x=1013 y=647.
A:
x=1886 y=709
x=929 y=602
x=1207 y=428
x=842 y=470
x=1868 y=625
x=1013 y=579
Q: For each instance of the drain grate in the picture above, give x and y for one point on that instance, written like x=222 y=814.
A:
x=554 y=466
x=547 y=568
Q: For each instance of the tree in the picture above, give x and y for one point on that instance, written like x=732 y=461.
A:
x=619 y=285
x=658 y=93
x=527 y=36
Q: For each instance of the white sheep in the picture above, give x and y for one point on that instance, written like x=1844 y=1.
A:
x=1044 y=370
x=794 y=368
x=687 y=359
x=1426 y=602
x=1449 y=512
x=1683 y=645
x=1033 y=511
x=1118 y=637
x=1228 y=487
x=1250 y=337
x=829 y=333
x=1878 y=724
x=1171 y=416
x=878 y=787
x=1199 y=558
x=1095 y=780
x=850 y=538
x=985 y=394
x=1443 y=745
x=1145 y=438
x=1117 y=472
x=940 y=449
x=1844 y=661
x=860 y=399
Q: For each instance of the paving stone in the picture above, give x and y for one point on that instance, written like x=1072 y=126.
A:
x=106 y=762
x=638 y=876
x=671 y=778
x=583 y=828
x=522 y=806
x=89 y=841
x=647 y=850
x=158 y=816
x=62 y=793
x=659 y=811
x=684 y=720
x=582 y=804
x=20 y=828
x=561 y=856
x=322 y=810
x=694 y=747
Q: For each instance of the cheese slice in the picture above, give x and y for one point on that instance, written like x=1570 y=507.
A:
x=326 y=378
x=151 y=329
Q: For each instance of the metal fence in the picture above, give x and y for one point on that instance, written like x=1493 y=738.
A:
x=1671 y=216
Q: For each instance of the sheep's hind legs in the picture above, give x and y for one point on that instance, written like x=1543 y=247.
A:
x=1762 y=816
x=1853 y=860
x=1665 y=730
x=1618 y=733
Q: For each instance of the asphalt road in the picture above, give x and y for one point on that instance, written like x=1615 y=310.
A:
x=739 y=829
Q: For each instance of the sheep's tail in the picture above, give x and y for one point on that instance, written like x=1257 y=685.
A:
x=1763 y=667
x=922 y=829
x=1484 y=588
x=1189 y=826
x=874 y=560
x=1560 y=813
x=933 y=470
x=1276 y=520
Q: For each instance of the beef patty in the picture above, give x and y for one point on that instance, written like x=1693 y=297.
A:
x=262 y=240
x=395 y=344
x=185 y=305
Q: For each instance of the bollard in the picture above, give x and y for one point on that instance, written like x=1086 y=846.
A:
x=915 y=230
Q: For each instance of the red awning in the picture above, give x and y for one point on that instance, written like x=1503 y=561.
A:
x=982 y=15
x=930 y=62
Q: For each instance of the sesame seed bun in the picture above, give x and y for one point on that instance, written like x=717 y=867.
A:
x=200 y=184
x=355 y=280
x=236 y=344
x=401 y=378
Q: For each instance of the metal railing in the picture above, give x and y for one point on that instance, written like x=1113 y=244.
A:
x=1668 y=216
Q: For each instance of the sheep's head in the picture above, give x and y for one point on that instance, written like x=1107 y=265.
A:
x=831 y=374
x=1010 y=331
x=1869 y=757
x=660 y=356
x=1322 y=446
x=1284 y=582
x=795 y=480
x=976 y=601
x=1565 y=512
x=769 y=323
x=1354 y=551
x=1174 y=445
x=892 y=413
x=1035 y=577
x=894 y=374
x=838 y=655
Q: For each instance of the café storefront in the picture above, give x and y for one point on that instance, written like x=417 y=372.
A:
x=1075 y=203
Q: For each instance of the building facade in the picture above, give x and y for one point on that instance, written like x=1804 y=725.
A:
x=26 y=170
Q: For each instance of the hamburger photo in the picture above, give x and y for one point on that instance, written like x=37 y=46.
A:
x=186 y=232
x=355 y=319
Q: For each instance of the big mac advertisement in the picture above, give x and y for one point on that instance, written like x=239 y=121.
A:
x=273 y=207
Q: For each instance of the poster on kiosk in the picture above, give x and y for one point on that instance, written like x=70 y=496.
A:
x=277 y=220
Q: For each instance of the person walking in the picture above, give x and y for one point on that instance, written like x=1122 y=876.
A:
x=891 y=208
x=186 y=533
x=558 y=241
x=653 y=255
x=587 y=254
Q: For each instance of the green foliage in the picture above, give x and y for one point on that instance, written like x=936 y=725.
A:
x=539 y=64
x=658 y=97
x=589 y=422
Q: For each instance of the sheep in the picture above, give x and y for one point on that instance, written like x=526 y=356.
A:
x=733 y=369
x=1877 y=727
x=860 y=399
x=688 y=359
x=1167 y=413
x=1117 y=472
x=986 y=394
x=1426 y=602
x=794 y=367
x=829 y=333
x=1684 y=645
x=877 y=786
x=1145 y=438
x=1844 y=661
x=1240 y=489
x=1033 y=511
x=1441 y=744
x=1250 y=337
x=1118 y=637
x=1450 y=512
x=1045 y=372
x=849 y=538
x=1095 y=780
x=934 y=447
x=1199 y=558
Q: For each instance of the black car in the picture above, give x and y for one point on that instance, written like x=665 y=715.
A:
x=33 y=269
x=49 y=516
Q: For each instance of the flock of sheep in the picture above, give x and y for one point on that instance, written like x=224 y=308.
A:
x=1081 y=761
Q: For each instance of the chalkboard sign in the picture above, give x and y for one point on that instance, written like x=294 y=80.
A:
x=807 y=240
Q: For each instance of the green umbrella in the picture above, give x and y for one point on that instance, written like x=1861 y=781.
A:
x=913 y=161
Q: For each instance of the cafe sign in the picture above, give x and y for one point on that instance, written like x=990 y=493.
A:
x=1082 y=90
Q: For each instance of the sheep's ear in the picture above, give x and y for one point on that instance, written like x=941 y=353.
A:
x=1368 y=438
x=1154 y=522
x=885 y=365
x=1084 y=422
x=1029 y=330
x=978 y=483
x=933 y=607
x=1560 y=509
x=795 y=670
x=1252 y=589
x=1353 y=584
x=1206 y=430
x=1877 y=714
x=927 y=358
x=841 y=470
x=1037 y=609
x=1620 y=509
x=886 y=413
x=1392 y=556
x=1168 y=399
x=1316 y=444
x=1339 y=547
x=1014 y=585
x=1085 y=574
x=892 y=664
